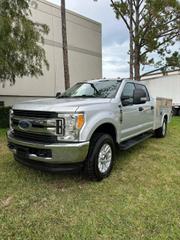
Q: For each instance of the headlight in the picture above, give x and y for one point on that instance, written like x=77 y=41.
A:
x=10 y=119
x=73 y=123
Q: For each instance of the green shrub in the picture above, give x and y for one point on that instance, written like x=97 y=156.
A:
x=4 y=117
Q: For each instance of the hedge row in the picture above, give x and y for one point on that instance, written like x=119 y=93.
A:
x=4 y=117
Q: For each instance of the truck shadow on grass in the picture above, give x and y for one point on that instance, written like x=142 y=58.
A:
x=124 y=159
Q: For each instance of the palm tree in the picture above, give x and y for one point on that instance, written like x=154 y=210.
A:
x=65 y=45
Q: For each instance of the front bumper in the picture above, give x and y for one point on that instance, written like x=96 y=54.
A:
x=59 y=153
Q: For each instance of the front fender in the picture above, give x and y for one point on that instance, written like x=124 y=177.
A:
x=95 y=121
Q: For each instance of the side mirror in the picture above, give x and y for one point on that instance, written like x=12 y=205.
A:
x=139 y=96
x=126 y=100
x=58 y=94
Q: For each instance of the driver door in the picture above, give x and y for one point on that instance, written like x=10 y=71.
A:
x=130 y=113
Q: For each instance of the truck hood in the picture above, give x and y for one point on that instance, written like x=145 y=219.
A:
x=59 y=105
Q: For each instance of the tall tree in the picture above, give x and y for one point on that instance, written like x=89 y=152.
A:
x=21 y=51
x=65 y=45
x=131 y=51
x=171 y=63
x=154 y=26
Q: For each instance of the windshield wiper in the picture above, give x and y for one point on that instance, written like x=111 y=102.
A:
x=64 y=96
x=84 y=96
x=92 y=85
x=80 y=96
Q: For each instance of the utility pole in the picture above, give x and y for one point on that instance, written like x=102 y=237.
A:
x=65 y=45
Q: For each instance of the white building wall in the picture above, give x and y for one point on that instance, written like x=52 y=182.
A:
x=165 y=86
x=85 y=55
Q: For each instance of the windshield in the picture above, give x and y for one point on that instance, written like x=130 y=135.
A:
x=96 y=89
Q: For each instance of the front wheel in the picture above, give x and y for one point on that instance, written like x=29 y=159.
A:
x=161 y=132
x=100 y=158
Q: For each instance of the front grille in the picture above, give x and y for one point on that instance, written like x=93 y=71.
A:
x=15 y=122
x=35 y=137
x=35 y=114
x=42 y=127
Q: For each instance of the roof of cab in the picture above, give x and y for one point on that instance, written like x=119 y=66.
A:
x=116 y=79
x=104 y=79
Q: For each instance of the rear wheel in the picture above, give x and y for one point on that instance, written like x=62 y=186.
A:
x=100 y=158
x=161 y=132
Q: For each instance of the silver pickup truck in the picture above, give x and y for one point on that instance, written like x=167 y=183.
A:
x=82 y=127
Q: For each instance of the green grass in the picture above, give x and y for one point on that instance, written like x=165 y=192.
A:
x=140 y=200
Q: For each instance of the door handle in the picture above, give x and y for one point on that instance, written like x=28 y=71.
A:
x=141 y=109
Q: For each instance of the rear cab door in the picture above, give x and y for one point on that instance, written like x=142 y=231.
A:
x=146 y=111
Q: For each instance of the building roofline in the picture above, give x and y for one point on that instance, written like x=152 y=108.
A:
x=71 y=12
x=160 y=74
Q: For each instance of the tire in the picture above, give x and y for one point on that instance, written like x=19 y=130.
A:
x=98 y=165
x=175 y=111
x=161 y=132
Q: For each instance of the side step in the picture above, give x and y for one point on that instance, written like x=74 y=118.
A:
x=133 y=141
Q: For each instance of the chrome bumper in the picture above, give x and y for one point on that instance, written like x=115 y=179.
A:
x=61 y=153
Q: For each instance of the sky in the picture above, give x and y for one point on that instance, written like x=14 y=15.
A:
x=114 y=34
x=115 y=37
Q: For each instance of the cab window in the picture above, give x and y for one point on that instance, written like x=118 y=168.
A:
x=140 y=86
x=127 y=94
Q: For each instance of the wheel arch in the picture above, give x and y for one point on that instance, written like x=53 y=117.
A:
x=165 y=117
x=107 y=128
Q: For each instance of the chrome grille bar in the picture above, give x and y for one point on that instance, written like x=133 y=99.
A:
x=36 y=130
x=35 y=121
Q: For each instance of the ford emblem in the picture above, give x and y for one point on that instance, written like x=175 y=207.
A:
x=24 y=124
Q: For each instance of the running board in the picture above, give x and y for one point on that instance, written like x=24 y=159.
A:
x=133 y=141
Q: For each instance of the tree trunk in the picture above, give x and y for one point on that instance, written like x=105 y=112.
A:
x=136 y=45
x=137 y=63
x=65 y=47
x=131 y=62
